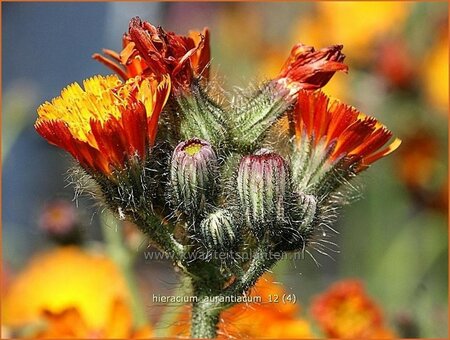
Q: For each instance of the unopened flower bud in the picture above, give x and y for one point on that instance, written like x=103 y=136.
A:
x=294 y=236
x=219 y=231
x=254 y=116
x=192 y=175
x=200 y=116
x=262 y=181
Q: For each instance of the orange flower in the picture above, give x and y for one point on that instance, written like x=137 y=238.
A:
x=340 y=20
x=107 y=124
x=345 y=311
x=435 y=74
x=267 y=318
x=420 y=167
x=148 y=50
x=334 y=132
x=67 y=292
x=309 y=69
x=270 y=318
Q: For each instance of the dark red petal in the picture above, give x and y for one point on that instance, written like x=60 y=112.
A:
x=353 y=137
x=152 y=122
x=204 y=56
x=143 y=41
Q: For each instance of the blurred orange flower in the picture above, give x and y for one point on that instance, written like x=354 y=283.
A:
x=418 y=160
x=346 y=311
x=396 y=63
x=268 y=319
x=436 y=74
x=356 y=25
x=419 y=166
x=68 y=292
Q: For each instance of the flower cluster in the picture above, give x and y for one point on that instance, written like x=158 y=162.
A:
x=197 y=175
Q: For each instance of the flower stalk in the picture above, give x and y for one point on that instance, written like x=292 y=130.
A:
x=208 y=306
x=205 y=317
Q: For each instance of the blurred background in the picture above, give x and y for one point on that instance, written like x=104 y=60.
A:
x=394 y=240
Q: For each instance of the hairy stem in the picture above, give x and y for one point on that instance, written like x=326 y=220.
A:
x=210 y=303
x=261 y=262
x=205 y=317
x=159 y=233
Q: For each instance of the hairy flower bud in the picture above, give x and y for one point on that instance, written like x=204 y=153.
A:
x=262 y=181
x=253 y=117
x=302 y=214
x=200 y=116
x=192 y=175
x=219 y=231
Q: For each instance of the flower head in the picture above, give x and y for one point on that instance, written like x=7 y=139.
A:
x=106 y=124
x=345 y=311
x=330 y=134
x=309 y=69
x=150 y=50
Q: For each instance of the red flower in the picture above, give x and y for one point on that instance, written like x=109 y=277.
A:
x=150 y=50
x=338 y=132
x=106 y=124
x=309 y=69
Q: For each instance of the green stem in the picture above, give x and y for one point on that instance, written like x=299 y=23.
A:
x=261 y=262
x=205 y=317
x=206 y=310
x=124 y=259
x=159 y=233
